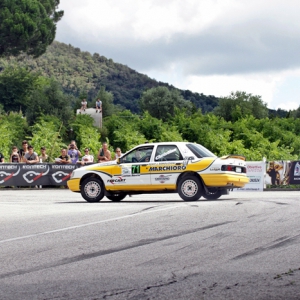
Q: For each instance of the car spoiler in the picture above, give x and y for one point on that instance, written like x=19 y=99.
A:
x=233 y=156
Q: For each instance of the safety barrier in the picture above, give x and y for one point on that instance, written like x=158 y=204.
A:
x=45 y=174
x=260 y=173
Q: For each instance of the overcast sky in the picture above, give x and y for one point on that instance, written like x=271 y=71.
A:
x=212 y=47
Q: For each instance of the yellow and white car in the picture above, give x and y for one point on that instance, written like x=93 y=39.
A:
x=185 y=168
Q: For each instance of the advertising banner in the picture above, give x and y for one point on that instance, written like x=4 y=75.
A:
x=256 y=173
x=278 y=172
x=292 y=175
x=20 y=174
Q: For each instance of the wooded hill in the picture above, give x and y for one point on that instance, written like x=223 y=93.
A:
x=80 y=72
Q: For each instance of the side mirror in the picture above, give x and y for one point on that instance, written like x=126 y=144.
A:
x=118 y=160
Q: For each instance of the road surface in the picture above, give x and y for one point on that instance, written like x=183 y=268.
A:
x=54 y=245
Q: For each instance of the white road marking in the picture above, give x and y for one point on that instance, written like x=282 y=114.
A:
x=89 y=224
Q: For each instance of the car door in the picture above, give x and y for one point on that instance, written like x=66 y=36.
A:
x=166 y=167
x=132 y=173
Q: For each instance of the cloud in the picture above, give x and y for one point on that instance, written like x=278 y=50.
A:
x=251 y=44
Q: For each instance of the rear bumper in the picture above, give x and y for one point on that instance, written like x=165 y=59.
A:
x=225 y=180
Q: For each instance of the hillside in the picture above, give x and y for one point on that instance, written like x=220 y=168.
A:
x=79 y=71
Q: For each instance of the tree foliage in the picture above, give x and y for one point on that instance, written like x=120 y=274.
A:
x=161 y=102
x=86 y=135
x=16 y=86
x=48 y=133
x=27 y=26
x=48 y=99
x=13 y=130
x=241 y=104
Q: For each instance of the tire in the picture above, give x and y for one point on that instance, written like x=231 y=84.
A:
x=213 y=194
x=190 y=188
x=116 y=197
x=92 y=189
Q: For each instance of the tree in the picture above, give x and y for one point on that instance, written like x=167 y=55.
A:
x=160 y=102
x=241 y=104
x=86 y=135
x=48 y=99
x=16 y=85
x=27 y=26
x=47 y=132
x=13 y=130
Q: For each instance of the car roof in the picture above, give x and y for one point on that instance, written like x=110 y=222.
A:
x=163 y=143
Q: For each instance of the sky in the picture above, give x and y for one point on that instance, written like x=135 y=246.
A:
x=213 y=47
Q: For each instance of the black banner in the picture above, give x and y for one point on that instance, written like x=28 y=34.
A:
x=20 y=174
x=294 y=172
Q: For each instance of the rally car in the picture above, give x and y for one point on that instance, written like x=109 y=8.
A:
x=185 y=168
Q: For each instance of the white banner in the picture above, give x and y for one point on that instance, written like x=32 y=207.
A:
x=256 y=171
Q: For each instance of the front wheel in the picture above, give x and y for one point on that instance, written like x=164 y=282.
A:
x=116 y=197
x=190 y=188
x=92 y=189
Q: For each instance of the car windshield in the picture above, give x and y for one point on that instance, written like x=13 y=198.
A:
x=200 y=151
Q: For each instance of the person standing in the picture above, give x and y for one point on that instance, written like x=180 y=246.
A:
x=31 y=157
x=14 y=157
x=104 y=154
x=98 y=105
x=73 y=152
x=23 y=150
x=44 y=156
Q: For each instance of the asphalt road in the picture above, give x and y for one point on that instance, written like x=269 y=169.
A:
x=54 y=245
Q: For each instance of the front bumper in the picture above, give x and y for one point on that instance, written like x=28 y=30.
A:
x=74 y=184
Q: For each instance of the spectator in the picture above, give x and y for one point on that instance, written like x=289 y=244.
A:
x=31 y=157
x=83 y=105
x=23 y=151
x=118 y=153
x=104 y=154
x=72 y=143
x=87 y=158
x=98 y=105
x=44 y=156
x=64 y=158
x=1 y=158
x=73 y=152
x=14 y=157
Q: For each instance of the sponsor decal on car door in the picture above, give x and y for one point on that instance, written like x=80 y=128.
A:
x=129 y=177
x=167 y=166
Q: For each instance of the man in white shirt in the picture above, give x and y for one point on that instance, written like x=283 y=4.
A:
x=87 y=158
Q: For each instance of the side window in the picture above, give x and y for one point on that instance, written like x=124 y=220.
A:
x=167 y=153
x=142 y=154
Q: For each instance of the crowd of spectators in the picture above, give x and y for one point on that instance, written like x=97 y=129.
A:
x=69 y=155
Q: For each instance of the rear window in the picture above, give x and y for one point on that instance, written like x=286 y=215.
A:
x=199 y=151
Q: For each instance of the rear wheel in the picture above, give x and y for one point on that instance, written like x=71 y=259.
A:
x=116 y=197
x=92 y=189
x=190 y=188
x=213 y=194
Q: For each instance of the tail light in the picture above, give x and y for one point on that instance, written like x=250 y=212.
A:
x=231 y=168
